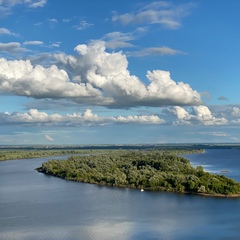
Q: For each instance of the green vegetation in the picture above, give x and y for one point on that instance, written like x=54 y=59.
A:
x=26 y=154
x=22 y=153
x=151 y=170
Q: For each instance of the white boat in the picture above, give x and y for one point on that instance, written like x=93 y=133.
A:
x=142 y=190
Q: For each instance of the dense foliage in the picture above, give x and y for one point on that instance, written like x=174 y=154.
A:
x=27 y=154
x=153 y=170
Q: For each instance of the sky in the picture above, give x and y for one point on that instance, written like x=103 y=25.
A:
x=119 y=72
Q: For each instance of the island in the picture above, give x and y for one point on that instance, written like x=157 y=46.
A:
x=147 y=170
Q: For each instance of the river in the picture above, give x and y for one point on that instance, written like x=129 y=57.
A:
x=37 y=206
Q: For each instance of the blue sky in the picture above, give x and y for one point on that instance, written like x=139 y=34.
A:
x=119 y=72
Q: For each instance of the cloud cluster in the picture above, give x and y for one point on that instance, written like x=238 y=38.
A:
x=33 y=116
x=22 y=78
x=235 y=112
x=7 y=5
x=143 y=119
x=196 y=115
x=108 y=72
x=28 y=3
x=162 y=12
x=94 y=76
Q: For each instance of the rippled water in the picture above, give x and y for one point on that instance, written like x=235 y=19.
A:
x=37 y=206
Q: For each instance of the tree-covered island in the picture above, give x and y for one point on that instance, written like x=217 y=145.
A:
x=150 y=170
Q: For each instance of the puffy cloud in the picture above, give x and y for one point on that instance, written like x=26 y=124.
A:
x=144 y=119
x=198 y=115
x=96 y=77
x=164 y=13
x=21 y=78
x=162 y=88
x=33 y=116
x=108 y=72
x=204 y=115
x=235 y=112
x=181 y=113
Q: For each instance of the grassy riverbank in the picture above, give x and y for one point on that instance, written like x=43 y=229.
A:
x=27 y=154
x=22 y=153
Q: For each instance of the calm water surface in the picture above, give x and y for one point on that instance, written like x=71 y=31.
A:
x=37 y=206
x=218 y=161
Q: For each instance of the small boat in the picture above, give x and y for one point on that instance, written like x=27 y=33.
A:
x=142 y=190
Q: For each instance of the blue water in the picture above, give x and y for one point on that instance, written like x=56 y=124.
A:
x=37 y=206
x=218 y=161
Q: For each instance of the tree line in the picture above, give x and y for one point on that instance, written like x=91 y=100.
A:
x=27 y=154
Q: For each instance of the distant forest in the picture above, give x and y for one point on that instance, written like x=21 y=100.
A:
x=151 y=170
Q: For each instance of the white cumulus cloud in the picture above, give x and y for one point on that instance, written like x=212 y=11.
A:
x=87 y=118
x=235 y=112
x=22 y=78
x=198 y=115
x=144 y=119
x=109 y=72
x=94 y=76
